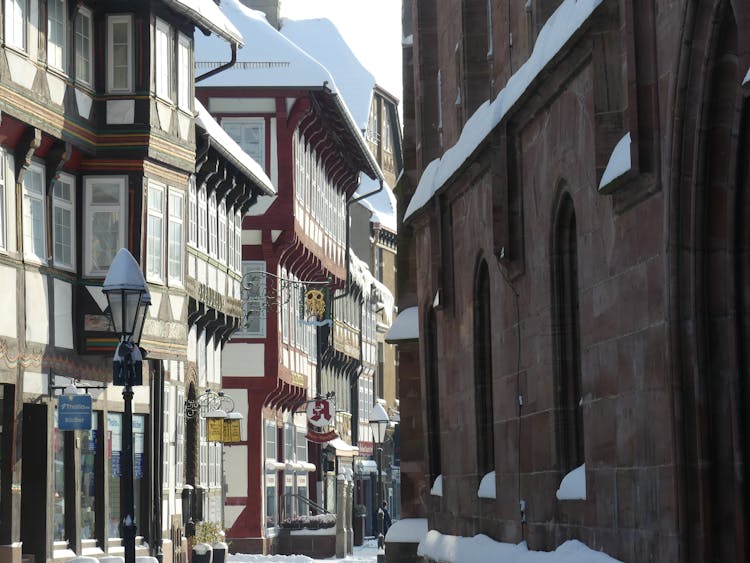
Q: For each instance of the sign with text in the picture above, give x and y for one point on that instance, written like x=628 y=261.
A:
x=321 y=412
x=74 y=412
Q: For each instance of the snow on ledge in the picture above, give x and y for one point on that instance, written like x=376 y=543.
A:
x=487 y=486
x=561 y=26
x=457 y=549
x=573 y=485
x=437 y=487
x=619 y=163
x=747 y=78
x=405 y=327
x=408 y=530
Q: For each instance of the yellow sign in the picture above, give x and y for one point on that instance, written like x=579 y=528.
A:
x=232 y=431
x=215 y=429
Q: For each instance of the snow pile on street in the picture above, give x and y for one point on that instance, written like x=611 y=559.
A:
x=455 y=549
x=487 y=486
x=408 y=530
x=619 y=163
x=559 y=29
x=573 y=485
x=321 y=39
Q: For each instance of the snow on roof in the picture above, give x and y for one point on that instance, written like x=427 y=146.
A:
x=408 y=530
x=405 y=327
x=268 y=60
x=457 y=549
x=557 y=31
x=619 y=163
x=230 y=149
x=207 y=14
x=321 y=39
x=385 y=297
x=381 y=205
x=573 y=485
x=360 y=274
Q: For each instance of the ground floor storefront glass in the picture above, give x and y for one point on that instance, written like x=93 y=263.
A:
x=88 y=446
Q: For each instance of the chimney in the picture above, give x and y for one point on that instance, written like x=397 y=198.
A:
x=272 y=9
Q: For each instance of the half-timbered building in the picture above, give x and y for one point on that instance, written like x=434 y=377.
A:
x=282 y=107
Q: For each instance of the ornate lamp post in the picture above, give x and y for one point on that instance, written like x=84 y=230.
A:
x=379 y=424
x=129 y=299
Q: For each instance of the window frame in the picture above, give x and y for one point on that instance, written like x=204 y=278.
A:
x=9 y=24
x=155 y=255
x=213 y=240
x=60 y=65
x=243 y=122
x=184 y=72
x=192 y=232
x=121 y=184
x=222 y=232
x=203 y=219
x=163 y=60
x=85 y=54
x=175 y=201
x=70 y=206
x=28 y=231
x=3 y=207
x=112 y=20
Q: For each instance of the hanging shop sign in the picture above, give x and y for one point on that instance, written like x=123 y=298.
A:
x=321 y=412
x=74 y=412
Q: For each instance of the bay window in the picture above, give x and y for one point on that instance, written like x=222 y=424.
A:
x=163 y=60
x=119 y=53
x=63 y=221
x=34 y=239
x=155 y=234
x=105 y=221
x=174 y=235
x=56 y=34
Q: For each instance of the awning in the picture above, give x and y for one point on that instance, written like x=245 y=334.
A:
x=405 y=327
x=342 y=448
x=299 y=466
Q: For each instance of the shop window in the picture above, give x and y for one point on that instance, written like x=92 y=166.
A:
x=114 y=469
x=139 y=467
x=88 y=492
x=58 y=500
x=485 y=438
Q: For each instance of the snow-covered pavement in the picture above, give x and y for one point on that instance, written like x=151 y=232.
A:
x=368 y=553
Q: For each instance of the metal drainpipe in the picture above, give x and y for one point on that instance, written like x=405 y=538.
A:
x=220 y=68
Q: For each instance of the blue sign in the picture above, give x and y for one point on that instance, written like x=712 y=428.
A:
x=74 y=412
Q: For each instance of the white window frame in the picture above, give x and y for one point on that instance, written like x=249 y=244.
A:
x=184 y=72
x=229 y=226
x=192 y=233
x=176 y=211
x=258 y=267
x=29 y=198
x=64 y=205
x=212 y=225
x=163 y=59
x=113 y=20
x=3 y=214
x=235 y=128
x=120 y=182
x=155 y=228
x=238 y=241
x=222 y=213
x=179 y=442
x=15 y=22
x=202 y=219
x=84 y=53
x=57 y=54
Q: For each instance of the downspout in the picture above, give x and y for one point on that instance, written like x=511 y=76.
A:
x=220 y=68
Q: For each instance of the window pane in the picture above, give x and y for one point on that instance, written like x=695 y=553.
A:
x=105 y=231
x=88 y=479
x=105 y=194
x=58 y=525
x=83 y=47
x=114 y=464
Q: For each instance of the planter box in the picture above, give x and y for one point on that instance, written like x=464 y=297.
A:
x=317 y=544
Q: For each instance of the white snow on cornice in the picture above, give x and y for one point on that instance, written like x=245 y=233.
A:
x=557 y=31
x=619 y=163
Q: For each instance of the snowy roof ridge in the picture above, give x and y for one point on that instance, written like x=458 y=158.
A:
x=556 y=32
x=321 y=39
x=208 y=14
x=232 y=151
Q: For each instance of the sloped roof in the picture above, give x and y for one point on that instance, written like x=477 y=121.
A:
x=209 y=16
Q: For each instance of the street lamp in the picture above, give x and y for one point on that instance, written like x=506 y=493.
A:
x=379 y=424
x=129 y=299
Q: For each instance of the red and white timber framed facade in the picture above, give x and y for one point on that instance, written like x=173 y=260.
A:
x=312 y=151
